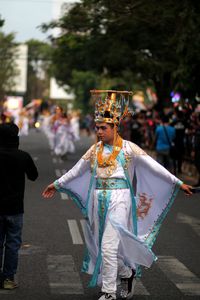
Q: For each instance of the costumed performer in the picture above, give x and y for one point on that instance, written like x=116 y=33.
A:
x=122 y=219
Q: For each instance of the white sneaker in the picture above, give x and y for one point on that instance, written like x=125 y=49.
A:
x=107 y=296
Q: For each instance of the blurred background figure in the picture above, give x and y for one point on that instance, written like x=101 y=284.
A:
x=180 y=127
x=64 y=138
x=196 y=149
x=75 y=124
x=22 y=121
x=136 y=130
x=164 y=136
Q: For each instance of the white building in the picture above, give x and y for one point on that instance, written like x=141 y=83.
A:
x=21 y=65
x=57 y=92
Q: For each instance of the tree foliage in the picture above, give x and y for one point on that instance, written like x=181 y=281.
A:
x=82 y=83
x=39 y=69
x=8 y=71
x=1 y=22
x=156 y=41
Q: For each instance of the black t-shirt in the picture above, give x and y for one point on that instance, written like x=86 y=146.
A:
x=180 y=127
x=15 y=164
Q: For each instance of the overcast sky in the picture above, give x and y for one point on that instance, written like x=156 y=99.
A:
x=24 y=16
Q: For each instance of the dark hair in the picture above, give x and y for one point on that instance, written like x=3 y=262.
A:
x=165 y=119
x=107 y=114
x=8 y=130
x=9 y=135
x=64 y=115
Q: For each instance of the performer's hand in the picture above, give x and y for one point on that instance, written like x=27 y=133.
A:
x=49 y=191
x=187 y=189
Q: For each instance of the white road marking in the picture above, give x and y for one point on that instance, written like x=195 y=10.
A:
x=75 y=233
x=64 y=196
x=63 y=276
x=186 y=281
x=191 y=221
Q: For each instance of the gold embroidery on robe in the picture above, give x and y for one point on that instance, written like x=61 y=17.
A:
x=136 y=149
x=89 y=154
x=107 y=171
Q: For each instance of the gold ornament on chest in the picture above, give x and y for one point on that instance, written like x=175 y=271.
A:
x=108 y=161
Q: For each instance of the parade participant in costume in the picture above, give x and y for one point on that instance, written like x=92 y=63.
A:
x=23 y=123
x=74 y=122
x=122 y=219
x=64 y=138
x=55 y=122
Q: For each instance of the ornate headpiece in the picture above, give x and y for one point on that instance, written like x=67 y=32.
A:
x=111 y=106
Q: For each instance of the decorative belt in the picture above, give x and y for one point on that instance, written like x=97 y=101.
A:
x=111 y=184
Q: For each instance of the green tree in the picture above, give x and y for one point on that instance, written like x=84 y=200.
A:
x=187 y=39
x=8 y=71
x=82 y=83
x=155 y=41
x=1 y=22
x=39 y=69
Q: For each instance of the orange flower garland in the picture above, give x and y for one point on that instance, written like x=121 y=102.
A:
x=110 y=160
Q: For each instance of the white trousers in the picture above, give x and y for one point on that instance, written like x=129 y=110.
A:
x=113 y=266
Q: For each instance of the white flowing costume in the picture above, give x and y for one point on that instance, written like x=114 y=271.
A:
x=74 y=122
x=64 y=140
x=121 y=224
x=24 y=130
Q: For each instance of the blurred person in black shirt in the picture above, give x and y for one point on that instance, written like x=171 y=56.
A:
x=180 y=127
x=136 y=130
x=14 y=165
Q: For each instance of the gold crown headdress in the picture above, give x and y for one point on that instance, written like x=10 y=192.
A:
x=111 y=106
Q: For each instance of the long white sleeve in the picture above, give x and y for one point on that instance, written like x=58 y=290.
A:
x=80 y=167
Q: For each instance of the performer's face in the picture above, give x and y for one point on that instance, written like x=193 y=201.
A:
x=105 y=133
